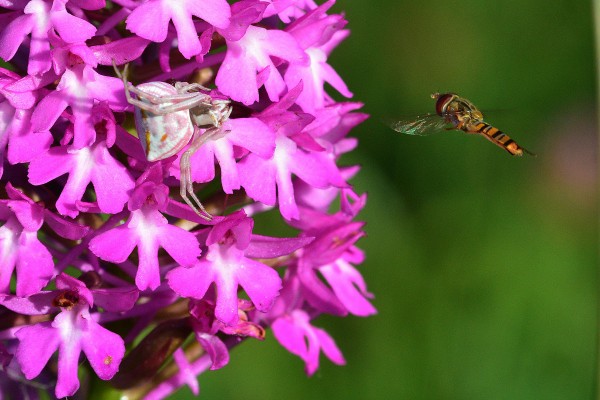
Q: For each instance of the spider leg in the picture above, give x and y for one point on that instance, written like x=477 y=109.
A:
x=142 y=94
x=123 y=77
x=184 y=87
x=220 y=113
x=159 y=109
x=117 y=69
x=186 y=185
x=227 y=113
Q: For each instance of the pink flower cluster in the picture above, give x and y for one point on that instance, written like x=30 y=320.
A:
x=100 y=260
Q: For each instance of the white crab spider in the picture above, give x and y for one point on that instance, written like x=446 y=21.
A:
x=166 y=118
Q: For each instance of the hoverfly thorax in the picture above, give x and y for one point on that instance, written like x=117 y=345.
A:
x=457 y=110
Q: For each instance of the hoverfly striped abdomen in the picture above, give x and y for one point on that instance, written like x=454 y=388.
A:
x=497 y=137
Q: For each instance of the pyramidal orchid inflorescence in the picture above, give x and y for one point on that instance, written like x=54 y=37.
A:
x=121 y=255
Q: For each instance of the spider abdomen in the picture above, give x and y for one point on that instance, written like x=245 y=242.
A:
x=162 y=135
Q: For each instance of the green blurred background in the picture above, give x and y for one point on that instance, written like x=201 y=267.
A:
x=483 y=265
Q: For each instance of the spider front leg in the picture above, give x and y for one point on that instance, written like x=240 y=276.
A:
x=123 y=77
x=186 y=185
x=159 y=107
x=220 y=113
x=184 y=87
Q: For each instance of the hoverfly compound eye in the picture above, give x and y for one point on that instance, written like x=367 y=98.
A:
x=442 y=102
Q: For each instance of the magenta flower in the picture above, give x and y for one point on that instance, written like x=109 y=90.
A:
x=150 y=20
x=318 y=34
x=101 y=251
x=248 y=66
x=20 y=246
x=260 y=177
x=72 y=331
x=250 y=134
x=299 y=337
x=79 y=88
x=287 y=10
x=147 y=230
x=92 y=164
x=227 y=265
x=16 y=131
x=38 y=18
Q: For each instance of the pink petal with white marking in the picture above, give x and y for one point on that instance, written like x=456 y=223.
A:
x=148 y=274
x=68 y=325
x=226 y=309
x=77 y=182
x=285 y=194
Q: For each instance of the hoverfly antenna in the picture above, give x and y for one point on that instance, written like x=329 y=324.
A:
x=435 y=95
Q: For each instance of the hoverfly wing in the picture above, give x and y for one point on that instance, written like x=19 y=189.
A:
x=421 y=125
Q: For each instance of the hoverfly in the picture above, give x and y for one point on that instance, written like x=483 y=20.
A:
x=460 y=113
